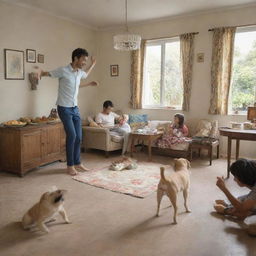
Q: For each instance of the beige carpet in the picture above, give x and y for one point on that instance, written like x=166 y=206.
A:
x=111 y=224
x=139 y=182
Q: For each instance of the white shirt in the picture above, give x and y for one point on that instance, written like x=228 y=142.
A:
x=106 y=120
x=69 y=82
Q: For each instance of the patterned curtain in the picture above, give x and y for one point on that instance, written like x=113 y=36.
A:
x=187 y=56
x=137 y=66
x=221 y=70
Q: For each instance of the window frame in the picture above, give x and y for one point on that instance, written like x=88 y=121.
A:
x=231 y=111
x=162 y=43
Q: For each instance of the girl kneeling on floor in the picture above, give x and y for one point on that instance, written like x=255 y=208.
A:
x=244 y=172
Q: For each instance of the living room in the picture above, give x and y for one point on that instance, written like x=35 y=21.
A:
x=100 y=220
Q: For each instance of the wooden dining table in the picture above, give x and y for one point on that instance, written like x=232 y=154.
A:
x=234 y=134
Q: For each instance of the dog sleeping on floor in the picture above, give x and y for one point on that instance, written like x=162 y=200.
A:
x=176 y=182
x=42 y=212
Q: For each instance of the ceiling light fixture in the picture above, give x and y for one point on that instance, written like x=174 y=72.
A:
x=127 y=41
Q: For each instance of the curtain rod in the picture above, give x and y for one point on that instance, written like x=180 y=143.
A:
x=246 y=25
x=167 y=37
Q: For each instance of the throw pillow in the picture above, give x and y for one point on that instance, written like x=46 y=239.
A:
x=214 y=131
x=204 y=128
x=165 y=127
x=92 y=123
x=138 y=121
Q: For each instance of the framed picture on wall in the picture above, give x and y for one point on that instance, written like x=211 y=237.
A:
x=31 y=55
x=40 y=58
x=200 y=57
x=14 y=64
x=114 y=70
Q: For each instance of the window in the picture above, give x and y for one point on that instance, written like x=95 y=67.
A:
x=243 y=86
x=162 y=74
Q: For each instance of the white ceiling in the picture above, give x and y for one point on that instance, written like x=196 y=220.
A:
x=104 y=14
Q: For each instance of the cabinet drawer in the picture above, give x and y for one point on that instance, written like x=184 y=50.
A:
x=31 y=148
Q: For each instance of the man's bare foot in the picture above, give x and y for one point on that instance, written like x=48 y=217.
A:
x=222 y=202
x=81 y=167
x=71 y=170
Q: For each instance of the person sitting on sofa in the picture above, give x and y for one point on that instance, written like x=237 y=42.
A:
x=107 y=119
x=177 y=134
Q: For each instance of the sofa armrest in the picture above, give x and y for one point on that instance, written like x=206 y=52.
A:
x=95 y=137
x=96 y=129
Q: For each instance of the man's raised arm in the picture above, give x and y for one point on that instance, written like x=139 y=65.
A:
x=57 y=73
x=89 y=69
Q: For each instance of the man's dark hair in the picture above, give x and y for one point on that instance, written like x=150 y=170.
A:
x=107 y=104
x=79 y=52
x=181 y=119
x=245 y=171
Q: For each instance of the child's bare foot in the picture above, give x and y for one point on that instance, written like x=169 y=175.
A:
x=71 y=170
x=81 y=167
x=222 y=202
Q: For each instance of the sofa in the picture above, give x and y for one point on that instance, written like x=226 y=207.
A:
x=103 y=139
x=201 y=131
x=95 y=137
x=100 y=138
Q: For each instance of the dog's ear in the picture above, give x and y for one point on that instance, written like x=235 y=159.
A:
x=175 y=160
x=63 y=191
x=44 y=196
x=188 y=164
x=59 y=191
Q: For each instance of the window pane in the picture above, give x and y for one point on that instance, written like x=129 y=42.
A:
x=152 y=76
x=243 y=92
x=173 y=89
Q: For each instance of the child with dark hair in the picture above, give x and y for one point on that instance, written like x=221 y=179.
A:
x=244 y=172
x=177 y=134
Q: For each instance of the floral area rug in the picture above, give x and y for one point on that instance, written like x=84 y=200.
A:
x=139 y=182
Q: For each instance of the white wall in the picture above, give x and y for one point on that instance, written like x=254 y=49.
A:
x=118 y=88
x=23 y=28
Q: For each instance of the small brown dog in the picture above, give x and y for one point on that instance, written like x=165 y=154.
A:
x=50 y=204
x=178 y=181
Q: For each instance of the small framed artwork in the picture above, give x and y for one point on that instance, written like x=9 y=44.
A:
x=114 y=70
x=14 y=64
x=251 y=113
x=40 y=58
x=200 y=57
x=31 y=55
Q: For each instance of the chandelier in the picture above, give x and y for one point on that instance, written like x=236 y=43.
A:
x=126 y=41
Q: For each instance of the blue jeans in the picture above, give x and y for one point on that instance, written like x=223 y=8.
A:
x=71 y=120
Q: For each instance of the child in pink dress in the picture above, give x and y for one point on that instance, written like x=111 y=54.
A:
x=177 y=135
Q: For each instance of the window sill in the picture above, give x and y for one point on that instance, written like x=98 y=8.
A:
x=161 y=108
x=238 y=114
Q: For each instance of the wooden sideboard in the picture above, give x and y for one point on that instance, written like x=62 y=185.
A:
x=25 y=148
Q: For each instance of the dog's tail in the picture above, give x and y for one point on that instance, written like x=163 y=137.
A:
x=162 y=173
